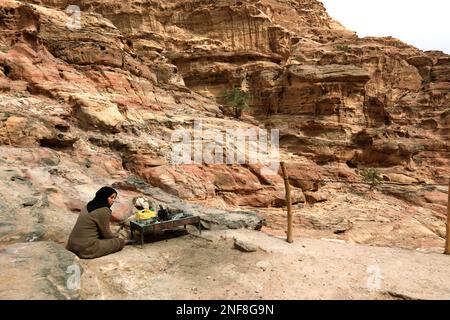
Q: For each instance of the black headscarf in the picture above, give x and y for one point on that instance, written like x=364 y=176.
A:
x=101 y=199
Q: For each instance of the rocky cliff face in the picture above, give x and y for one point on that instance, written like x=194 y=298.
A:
x=109 y=95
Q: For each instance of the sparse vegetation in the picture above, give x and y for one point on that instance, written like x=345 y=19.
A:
x=344 y=48
x=237 y=100
x=371 y=176
x=433 y=77
x=418 y=160
x=19 y=95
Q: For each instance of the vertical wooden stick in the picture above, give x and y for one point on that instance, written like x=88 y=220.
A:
x=447 y=241
x=288 y=201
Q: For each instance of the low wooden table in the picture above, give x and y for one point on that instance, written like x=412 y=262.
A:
x=163 y=225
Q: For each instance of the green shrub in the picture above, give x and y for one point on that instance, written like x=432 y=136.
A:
x=237 y=100
x=19 y=95
x=433 y=77
x=371 y=176
x=344 y=48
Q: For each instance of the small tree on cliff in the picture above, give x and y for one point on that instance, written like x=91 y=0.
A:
x=371 y=176
x=237 y=100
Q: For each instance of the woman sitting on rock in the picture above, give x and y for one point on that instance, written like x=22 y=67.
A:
x=91 y=236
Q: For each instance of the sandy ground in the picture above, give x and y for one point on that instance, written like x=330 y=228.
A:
x=189 y=266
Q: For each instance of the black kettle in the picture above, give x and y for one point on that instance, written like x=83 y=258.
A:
x=163 y=214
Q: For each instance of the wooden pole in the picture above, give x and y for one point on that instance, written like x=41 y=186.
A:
x=289 y=203
x=447 y=241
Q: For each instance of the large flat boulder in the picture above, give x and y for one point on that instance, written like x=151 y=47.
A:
x=39 y=271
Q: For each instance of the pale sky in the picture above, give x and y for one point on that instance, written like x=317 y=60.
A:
x=424 y=24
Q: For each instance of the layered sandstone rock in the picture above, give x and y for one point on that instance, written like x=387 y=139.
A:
x=111 y=94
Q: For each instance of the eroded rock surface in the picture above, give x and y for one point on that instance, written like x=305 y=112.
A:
x=39 y=271
x=81 y=107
